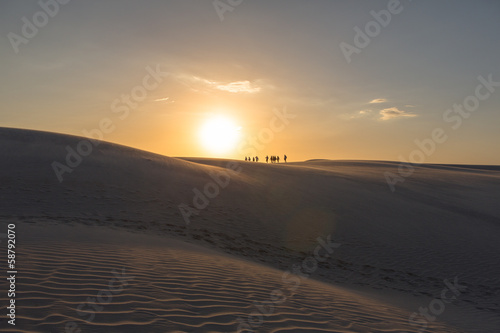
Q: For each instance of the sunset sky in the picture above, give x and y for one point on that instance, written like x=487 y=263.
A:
x=160 y=70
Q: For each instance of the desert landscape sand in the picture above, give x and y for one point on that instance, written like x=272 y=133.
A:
x=109 y=250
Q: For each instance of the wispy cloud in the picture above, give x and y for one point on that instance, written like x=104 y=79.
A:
x=378 y=100
x=357 y=115
x=239 y=87
x=166 y=99
x=196 y=83
x=394 y=112
x=200 y=80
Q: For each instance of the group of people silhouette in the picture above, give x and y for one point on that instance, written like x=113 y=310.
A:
x=273 y=159
x=252 y=159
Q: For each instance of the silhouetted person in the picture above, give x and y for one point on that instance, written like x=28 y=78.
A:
x=267 y=159
x=253 y=159
x=284 y=157
x=245 y=158
x=278 y=158
x=256 y=158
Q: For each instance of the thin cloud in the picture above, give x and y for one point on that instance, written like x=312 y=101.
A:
x=361 y=114
x=239 y=87
x=202 y=80
x=166 y=99
x=357 y=115
x=378 y=100
x=190 y=81
x=394 y=112
x=193 y=81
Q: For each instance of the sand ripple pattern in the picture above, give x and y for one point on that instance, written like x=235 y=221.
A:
x=176 y=290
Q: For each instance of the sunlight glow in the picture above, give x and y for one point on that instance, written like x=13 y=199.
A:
x=220 y=135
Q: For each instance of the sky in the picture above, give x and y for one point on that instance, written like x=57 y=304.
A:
x=391 y=80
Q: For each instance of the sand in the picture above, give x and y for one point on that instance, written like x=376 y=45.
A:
x=119 y=209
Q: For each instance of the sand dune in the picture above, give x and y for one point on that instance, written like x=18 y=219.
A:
x=173 y=287
x=397 y=248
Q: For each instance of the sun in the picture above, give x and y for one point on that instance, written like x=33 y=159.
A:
x=219 y=135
